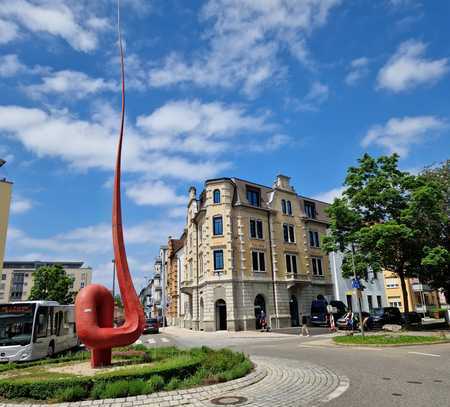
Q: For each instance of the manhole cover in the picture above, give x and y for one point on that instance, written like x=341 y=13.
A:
x=228 y=400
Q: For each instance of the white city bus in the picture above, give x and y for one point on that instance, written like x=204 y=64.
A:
x=35 y=329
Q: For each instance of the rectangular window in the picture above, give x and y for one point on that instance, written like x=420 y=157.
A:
x=218 y=260
x=314 y=240
x=289 y=233
x=283 y=206
x=310 y=209
x=392 y=283
x=258 y=261
x=217 y=226
x=291 y=263
x=317 y=266
x=253 y=196
x=379 y=303
x=3 y=277
x=289 y=208
x=369 y=301
x=395 y=302
x=256 y=229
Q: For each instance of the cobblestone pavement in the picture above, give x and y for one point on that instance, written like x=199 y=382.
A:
x=275 y=382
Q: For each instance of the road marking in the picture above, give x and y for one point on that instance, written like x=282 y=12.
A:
x=164 y=340
x=151 y=341
x=342 y=388
x=425 y=354
x=308 y=346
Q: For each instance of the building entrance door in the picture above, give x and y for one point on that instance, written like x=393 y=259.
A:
x=221 y=315
x=260 y=307
x=293 y=306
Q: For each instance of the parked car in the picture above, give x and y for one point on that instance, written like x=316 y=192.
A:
x=319 y=311
x=383 y=316
x=341 y=323
x=151 y=326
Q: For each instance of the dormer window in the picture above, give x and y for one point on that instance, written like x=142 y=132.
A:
x=310 y=209
x=253 y=196
x=216 y=196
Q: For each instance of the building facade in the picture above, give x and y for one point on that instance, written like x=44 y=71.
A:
x=17 y=277
x=421 y=298
x=5 y=201
x=172 y=286
x=252 y=248
x=156 y=290
x=373 y=295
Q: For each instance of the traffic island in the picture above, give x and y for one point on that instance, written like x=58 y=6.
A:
x=388 y=340
x=135 y=371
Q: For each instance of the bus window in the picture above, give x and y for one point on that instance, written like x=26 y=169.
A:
x=42 y=322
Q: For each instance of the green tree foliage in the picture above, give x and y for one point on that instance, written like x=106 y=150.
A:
x=51 y=283
x=387 y=219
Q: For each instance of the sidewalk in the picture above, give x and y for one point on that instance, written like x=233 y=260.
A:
x=183 y=332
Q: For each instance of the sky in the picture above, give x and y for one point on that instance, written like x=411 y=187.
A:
x=243 y=88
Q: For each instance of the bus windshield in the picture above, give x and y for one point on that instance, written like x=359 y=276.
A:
x=16 y=324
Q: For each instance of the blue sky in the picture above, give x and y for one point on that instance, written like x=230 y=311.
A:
x=215 y=88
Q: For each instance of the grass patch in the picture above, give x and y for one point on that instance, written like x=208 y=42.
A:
x=386 y=340
x=164 y=369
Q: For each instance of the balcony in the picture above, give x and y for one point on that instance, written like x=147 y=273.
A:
x=297 y=278
x=418 y=287
x=186 y=286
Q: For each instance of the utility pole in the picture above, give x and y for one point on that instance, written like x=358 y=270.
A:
x=357 y=290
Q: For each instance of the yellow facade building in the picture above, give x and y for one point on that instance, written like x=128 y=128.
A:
x=5 y=201
x=252 y=248
x=421 y=298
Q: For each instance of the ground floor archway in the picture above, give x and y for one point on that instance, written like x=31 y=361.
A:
x=293 y=308
x=221 y=315
x=260 y=307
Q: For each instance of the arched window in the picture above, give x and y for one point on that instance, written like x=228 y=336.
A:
x=283 y=205
x=289 y=208
x=216 y=196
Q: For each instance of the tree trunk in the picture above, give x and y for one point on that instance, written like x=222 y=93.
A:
x=401 y=275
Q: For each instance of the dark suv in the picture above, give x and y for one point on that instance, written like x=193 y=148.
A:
x=383 y=316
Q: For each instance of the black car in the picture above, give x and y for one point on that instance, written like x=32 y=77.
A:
x=386 y=315
x=319 y=311
x=151 y=326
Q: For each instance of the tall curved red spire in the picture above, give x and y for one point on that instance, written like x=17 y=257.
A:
x=94 y=305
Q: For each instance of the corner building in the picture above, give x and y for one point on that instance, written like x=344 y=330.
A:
x=249 y=248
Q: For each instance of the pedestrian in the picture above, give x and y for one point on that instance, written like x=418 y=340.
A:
x=304 y=331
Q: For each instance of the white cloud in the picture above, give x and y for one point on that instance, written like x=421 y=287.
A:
x=359 y=68
x=8 y=31
x=70 y=84
x=91 y=144
x=329 y=196
x=272 y=143
x=154 y=193
x=408 y=68
x=317 y=95
x=244 y=42
x=20 y=204
x=398 y=135
x=54 y=18
x=10 y=65
x=178 y=212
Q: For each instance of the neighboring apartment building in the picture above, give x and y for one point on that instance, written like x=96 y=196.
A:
x=373 y=295
x=145 y=296
x=156 y=290
x=249 y=248
x=173 y=289
x=17 y=277
x=5 y=202
x=421 y=298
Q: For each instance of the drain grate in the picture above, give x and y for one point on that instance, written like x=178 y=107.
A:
x=228 y=400
x=413 y=382
x=397 y=394
x=386 y=378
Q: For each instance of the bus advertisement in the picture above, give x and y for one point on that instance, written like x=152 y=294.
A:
x=35 y=329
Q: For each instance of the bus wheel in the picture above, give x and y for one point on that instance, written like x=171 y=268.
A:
x=51 y=350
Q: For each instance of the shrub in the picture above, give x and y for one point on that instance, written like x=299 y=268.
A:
x=155 y=383
x=74 y=393
x=174 y=384
x=121 y=388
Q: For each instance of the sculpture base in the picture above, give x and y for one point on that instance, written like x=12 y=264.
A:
x=101 y=357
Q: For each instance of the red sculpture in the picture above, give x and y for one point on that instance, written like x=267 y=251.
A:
x=94 y=305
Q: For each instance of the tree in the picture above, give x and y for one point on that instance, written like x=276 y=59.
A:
x=388 y=218
x=51 y=283
x=436 y=263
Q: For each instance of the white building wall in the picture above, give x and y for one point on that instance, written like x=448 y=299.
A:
x=343 y=286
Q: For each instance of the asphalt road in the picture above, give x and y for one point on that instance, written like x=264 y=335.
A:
x=413 y=376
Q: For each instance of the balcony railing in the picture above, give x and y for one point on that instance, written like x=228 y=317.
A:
x=297 y=277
